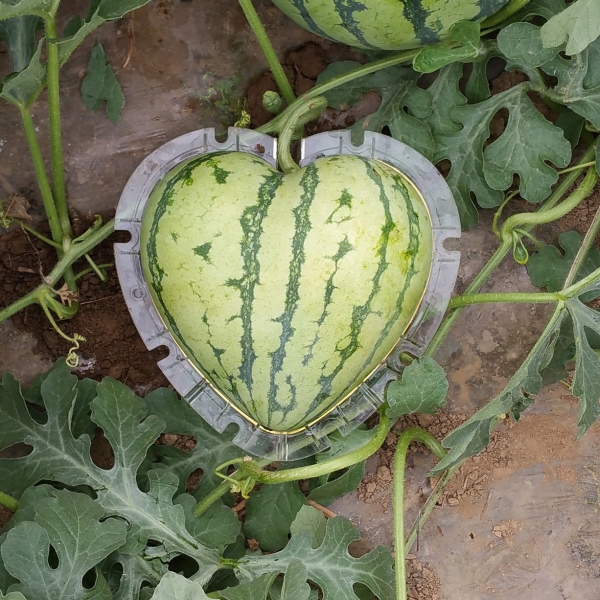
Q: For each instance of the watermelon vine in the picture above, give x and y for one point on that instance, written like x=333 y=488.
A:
x=137 y=516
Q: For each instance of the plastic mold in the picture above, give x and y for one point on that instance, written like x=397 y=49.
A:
x=186 y=378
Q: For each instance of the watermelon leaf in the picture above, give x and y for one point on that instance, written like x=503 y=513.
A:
x=422 y=389
x=578 y=85
x=311 y=520
x=12 y=596
x=23 y=88
x=404 y=106
x=270 y=513
x=16 y=8
x=211 y=448
x=548 y=267
x=474 y=435
x=334 y=487
x=101 y=84
x=58 y=456
x=19 y=36
x=524 y=148
x=522 y=42
x=126 y=573
x=258 y=589
x=586 y=381
x=432 y=58
x=176 y=587
x=528 y=143
x=578 y=25
x=329 y=565
x=72 y=524
x=295 y=586
x=217 y=527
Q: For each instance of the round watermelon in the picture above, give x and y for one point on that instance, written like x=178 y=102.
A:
x=385 y=24
x=286 y=291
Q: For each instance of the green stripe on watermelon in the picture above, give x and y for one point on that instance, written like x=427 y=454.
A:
x=252 y=226
x=346 y=9
x=308 y=184
x=417 y=15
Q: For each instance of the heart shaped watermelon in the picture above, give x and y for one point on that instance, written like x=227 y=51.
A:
x=286 y=291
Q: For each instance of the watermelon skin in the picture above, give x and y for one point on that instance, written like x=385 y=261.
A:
x=285 y=291
x=385 y=24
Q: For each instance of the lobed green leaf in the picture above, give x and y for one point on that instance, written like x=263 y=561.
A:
x=100 y=84
x=404 y=105
x=75 y=527
x=433 y=58
x=17 y=8
x=586 y=380
x=548 y=267
x=422 y=389
x=329 y=565
x=578 y=25
x=270 y=513
x=522 y=42
x=58 y=456
x=176 y=587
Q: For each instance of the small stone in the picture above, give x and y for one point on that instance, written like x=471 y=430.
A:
x=452 y=501
x=384 y=474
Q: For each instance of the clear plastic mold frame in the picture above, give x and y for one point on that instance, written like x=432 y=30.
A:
x=182 y=374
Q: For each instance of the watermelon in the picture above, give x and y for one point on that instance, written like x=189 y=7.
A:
x=285 y=291
x=385 y=24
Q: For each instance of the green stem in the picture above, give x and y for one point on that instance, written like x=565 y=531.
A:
x=42 y=177
x=90 y=270
x=74 y=253
x=578 y=167
x=58 y=173
x=577 y=288
x=41 y=237
x=276 y=124
x=96 y=268
x=263 y=39
x=538 y=218
x=412 y=434
x=588 y=241
x=8 y=501
x=212 y=497
x=19 y=305
x=516 y=297
x=505 y=247
x=303 y=113
x=325 y=467
x=504 y=13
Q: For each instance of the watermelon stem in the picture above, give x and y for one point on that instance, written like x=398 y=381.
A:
x=277 y=124
x=265 y=43
x=504 y=248
x=548 y=216
x=303 y=113
x=515 y=297
x=8 y=502
x=79 y=248
x=408 y=436
x=56 y=149
x=42 y=177
x=252 y=468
